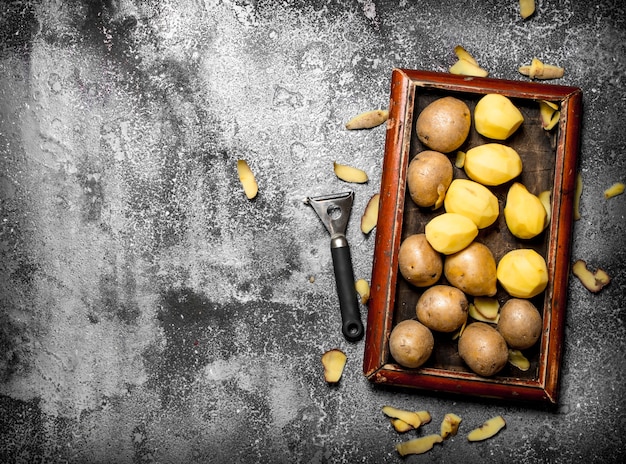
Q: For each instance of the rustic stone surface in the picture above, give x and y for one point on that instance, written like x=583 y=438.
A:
x=150 y=313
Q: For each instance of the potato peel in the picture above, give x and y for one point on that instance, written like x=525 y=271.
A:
x=614 y=190
x=370 y=215
x=410 y=417
x=247 y=179
x=333 y=362
x=592 y=281
x=517 y=359
x=578 y=190
x=418 y=445
x=350 y=173
x=363 y=289
x=526 y=8
x=490 y=428
x=368 y=120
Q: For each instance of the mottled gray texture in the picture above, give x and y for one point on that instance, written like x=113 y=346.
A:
x=150 y=313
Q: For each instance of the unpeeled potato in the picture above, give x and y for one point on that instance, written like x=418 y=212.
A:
x=429 y=175
x=483 y=349
x=411 y=343
x=442 y=308
x=520 y=323
x=472 y=270
x=444 y=124
x=418 y=261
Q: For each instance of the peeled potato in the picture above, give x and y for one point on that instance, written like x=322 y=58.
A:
x=522 y=273
x=450 y=232
x=524 y=212
x=492 y=164
x=473 y=200
x=496 y=117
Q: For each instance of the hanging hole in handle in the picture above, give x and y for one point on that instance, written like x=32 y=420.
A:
x=334 y=212
x=353 y=331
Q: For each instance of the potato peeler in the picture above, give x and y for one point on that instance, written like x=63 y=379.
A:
x=334 y=211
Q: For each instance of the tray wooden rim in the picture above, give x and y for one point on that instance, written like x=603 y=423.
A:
x=385 y=266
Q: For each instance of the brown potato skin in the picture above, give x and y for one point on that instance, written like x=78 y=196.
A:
x=483 y=349
x=444 y=124
x=442 y=308
x=427 y=170
x=472 y=270
x=418 y=261
x=520 y=323
x=411 y=343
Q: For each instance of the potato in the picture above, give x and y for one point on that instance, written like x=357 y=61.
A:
x=524 y=212
x=473 y=200
x=450 y=232
x=411 y=343
x=483 y=349
x=496 y=117
x=419 y=263
x=520 y=323
x=523 y=273
x=444 y=124
x=429 y=176
x=442 y=308
x=492 y=164
x=472 y=270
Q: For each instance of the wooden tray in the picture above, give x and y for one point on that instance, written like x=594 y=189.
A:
x=549 y=160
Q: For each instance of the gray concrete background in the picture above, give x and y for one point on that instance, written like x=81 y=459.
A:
x=150 y=313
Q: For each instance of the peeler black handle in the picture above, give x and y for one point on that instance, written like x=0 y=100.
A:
x=351 y=324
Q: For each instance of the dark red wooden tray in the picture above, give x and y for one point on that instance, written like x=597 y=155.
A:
x=549 y=159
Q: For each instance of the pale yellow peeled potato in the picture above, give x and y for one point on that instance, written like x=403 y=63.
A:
x=496 y=117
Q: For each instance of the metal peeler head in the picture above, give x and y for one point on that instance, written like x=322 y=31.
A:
x=334 y=210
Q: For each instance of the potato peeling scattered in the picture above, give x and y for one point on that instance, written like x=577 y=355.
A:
x=334 y=362
x=517 y=359
x=549 y=114
x=418 y=445
x=593 y=281
x=614 y=190
x=247 y=179
x=350 y=173
x=538 y=70
x=488 y=429
x=363 y=289
x=578 y=191
x=526 y=8
x=368 y=120
x=450 y=425
x=370 y=215
x=410 y=417
x=466 y=64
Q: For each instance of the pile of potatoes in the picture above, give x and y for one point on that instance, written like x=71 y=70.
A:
x=488 y=335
